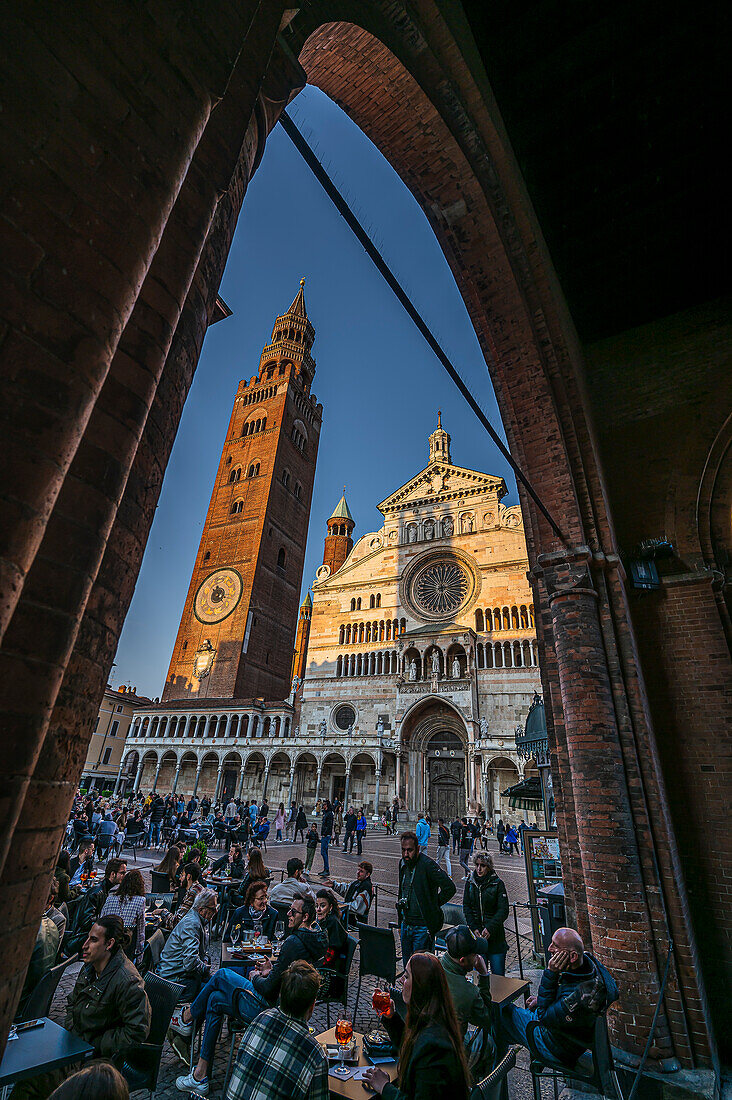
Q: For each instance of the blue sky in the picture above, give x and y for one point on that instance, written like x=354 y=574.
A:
x=379 y=383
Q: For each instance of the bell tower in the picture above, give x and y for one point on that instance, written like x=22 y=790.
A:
x=236 y=634
x=302 y=638
x=338 y=541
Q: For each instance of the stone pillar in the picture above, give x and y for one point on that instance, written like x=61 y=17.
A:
x=175 y=779
x=138 y=777
x=198 y=776
x=157 y=773
x=241 y=781
x=116 y=783
x=219 y=777
x=317 y=784
x=377 y=792
x=292 y=787
x=228 y=723
x=348 y=788
x=266 y=781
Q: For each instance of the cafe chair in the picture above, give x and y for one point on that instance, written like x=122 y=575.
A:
x=495 y=1085
x=133 y=841
x=220 y=833
x=159 y=882
x=377 y=956
x=140 y=1066
x=601 y=1074
x=105 y=844
x=39 y=1002
x=283 y=908
x=151 y=954
x=334 y=981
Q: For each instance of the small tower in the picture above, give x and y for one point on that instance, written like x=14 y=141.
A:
x=440 y=444
x=302 y=637
x=338 y=541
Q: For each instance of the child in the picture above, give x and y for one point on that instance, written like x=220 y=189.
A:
x=312 y=840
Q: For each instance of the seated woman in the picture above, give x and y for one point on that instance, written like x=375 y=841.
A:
x=66 y=892
x=256 y=913
x=128 y=902
x=255 y=872
x=328 y=913
x=431 y=1054
x=169 y=865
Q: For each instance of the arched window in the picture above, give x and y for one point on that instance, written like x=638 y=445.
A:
x=488 y=619
x=506 y=619
x=286 y=478
x=372 y=600
x=341 y=635
x=524 y=617
x=514 y=618
x=358 y=604
x=253 y=470
x=339 y=665
x=479 y=620
x=496 y=618
x=378 y=597
x=282 y=558
x=237 y=506
x=353 y=605
x=207 y=555
x=403 y=626
x=264 y=423
x=298 y=490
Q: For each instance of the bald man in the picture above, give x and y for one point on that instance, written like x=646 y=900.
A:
x=574 y=989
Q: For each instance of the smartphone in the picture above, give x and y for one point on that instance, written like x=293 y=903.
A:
x=29 y=1025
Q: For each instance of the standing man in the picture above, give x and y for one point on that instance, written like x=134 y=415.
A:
x=500 y=833
x=466 y=845
x=423 y=833
x=361 y=825
x=326 y=832
x=157 y=813
x=443 y=845
x=423 y=889
x=349 y=825
x=455 y=833
x=230 y=814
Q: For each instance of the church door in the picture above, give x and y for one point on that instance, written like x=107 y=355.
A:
x=446 y=777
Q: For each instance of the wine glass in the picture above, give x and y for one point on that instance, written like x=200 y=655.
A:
x=381 y=1000
x=235 y=935
x=279 y=933
x=343 y=1034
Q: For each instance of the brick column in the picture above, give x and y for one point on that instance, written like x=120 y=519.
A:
x=603 y=828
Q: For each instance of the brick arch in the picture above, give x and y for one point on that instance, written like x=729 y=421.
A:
x=85 y=489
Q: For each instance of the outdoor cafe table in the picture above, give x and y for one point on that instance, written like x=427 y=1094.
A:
x=351 y=1088
x=38 y=1051
x=243 y=961
x=504 y=990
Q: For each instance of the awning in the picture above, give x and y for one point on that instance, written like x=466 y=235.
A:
x=525 y=795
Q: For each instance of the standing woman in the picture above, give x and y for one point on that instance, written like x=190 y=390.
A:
x=301 y=823
x=485 y=905
x=361 y=824
x=431 y=1052
x=279 y=822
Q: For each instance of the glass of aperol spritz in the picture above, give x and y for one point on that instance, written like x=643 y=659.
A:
x=343 y=1034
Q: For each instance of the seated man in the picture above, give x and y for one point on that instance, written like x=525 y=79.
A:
x=83 y=862
x=278 y=1058
x=185 y=957
x=472 y=1002
x=256 y=914
x=294 y=886
x=52 y=912
x=575 y=988
x=191 y=886
x=358 y=895
x=42 y=958
x=93 y=903
x=228 y=991
x=107 y=1008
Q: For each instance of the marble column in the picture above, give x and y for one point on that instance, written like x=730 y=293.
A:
x=157 y=773
x=219 y=777
x=347 y=790
x=292 y=787
x=175 y=779
x=266 y=781
x=198 y=777
x=117 y=781
x=138 y=777
x=317 y=784
x=241 y=781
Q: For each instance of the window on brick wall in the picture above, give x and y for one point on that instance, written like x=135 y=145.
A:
x=114 y=728
x=107 y=755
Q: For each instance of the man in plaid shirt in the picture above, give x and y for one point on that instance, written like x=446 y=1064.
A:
x=278 y=1058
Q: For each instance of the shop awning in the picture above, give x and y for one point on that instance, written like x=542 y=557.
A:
x=525 y=795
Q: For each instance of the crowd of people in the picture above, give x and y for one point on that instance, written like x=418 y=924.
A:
x=442 y=1023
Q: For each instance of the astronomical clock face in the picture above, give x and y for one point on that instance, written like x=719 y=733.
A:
x=217 y=596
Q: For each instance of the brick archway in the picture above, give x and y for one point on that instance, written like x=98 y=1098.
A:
x=100 y=362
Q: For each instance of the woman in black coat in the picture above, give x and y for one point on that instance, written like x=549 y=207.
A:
x=432 y=1059
x=328 y=913
x=485 y=905
x=301 y=823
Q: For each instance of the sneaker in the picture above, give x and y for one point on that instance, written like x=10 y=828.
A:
x=181 y=1047
x=189 y=1084
x=177 y=1025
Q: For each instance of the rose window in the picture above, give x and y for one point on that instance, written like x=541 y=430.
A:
x=441 y=588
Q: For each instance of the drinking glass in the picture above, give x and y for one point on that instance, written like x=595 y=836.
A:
x=279 y=932
x=235 y=934
x=381 y=999
x=343 y=1034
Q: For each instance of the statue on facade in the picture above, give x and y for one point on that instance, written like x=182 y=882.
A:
x=429 y=529
x=323 y=728
x=435 y=663
x=349 y=731
x=455 y=668
x=380 y=725
x=412 y=671
x=411 y=533
x=297 y=731
x=447 y=526
x=483 y=727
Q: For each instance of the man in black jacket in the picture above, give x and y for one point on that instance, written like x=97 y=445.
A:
x=349 y=825
x=326 y=832
x=93 y=903
x=423 y=889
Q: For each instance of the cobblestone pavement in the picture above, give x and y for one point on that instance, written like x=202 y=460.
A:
x=384 y=852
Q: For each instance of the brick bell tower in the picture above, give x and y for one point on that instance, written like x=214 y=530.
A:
x=338 y=541
x=236 y=635
x=302 y=638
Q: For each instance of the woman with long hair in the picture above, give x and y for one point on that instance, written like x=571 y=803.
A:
x=432 y=1058
x=279 y=822
x=255 y=870
x=128 y=902
x=169 y=865
x=328 y=912
x=96 y=1081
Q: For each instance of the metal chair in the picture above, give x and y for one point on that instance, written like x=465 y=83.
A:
x=337 y=988
x=105 y=844
x=495 y=1085
x=151 y=954
x=141 y=1065
x=159 y=882
x=133 y=841
x=39 y=1002
x=377 y=956
x=601 y=1075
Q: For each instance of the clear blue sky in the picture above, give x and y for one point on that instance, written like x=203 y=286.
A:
x=379 y=383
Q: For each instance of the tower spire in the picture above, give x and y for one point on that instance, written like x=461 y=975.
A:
x=339 y=540
x=440 y=443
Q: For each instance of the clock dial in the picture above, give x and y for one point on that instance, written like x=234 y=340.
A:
x=217 y=596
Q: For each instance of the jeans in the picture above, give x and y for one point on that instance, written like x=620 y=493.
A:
x=513 y=1022
x=423 y=849
x=415 y=937
x=324 y=842
x=349 y=838
x=443 y=852
x=464 y=857
x=496 y=960
x=153 y=837
x=309 y=857
x=279 y=835
x=359 y=841
x=216 y=1000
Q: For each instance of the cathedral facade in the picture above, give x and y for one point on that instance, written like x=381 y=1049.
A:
x=422 y=657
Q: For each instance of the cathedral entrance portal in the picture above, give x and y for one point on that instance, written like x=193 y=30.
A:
x=445 y=776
